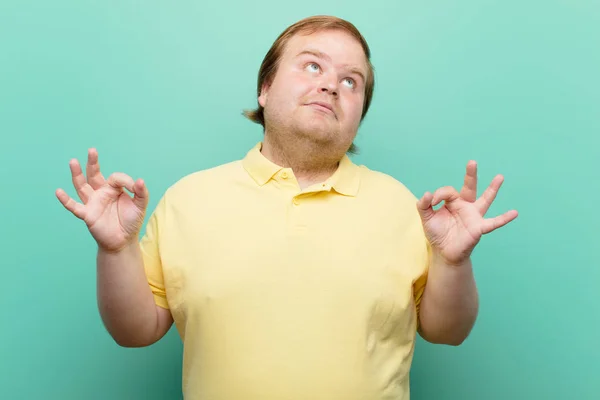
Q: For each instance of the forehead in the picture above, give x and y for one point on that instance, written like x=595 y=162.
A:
x=340 y=46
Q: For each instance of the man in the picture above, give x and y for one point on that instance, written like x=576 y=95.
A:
x=291 y=273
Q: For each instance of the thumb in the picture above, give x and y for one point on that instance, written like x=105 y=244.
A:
x=425 y=208
x=140 y=195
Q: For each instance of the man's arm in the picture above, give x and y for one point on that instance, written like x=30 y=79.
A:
x=125 y=301
x=450 y=303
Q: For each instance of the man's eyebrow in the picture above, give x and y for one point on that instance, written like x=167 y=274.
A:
x=315 y=53
x=324 y=56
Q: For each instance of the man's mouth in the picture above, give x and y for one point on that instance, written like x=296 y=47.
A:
x=320 y=105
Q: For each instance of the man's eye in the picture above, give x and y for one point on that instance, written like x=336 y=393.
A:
x=350 y=82
x=313 y=67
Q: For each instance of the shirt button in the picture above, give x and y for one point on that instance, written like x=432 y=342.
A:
x=296 y=202
x=284 y=175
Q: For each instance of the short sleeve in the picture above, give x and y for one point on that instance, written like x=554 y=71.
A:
x=150 y=249
x=421 y=281
x=423 y=258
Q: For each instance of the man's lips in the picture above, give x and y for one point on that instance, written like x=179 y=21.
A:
x=322 y=106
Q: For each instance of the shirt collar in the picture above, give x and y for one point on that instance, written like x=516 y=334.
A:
x=345 y=180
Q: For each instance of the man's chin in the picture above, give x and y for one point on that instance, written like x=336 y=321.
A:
x=318 y=134
x=320 y=127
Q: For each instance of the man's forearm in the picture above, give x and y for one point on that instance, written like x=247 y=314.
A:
x=450 y=303
x=125 y=301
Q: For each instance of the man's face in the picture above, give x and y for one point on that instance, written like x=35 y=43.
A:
x=318 y=90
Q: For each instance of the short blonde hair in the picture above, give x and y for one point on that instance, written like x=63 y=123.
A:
x=307 y=26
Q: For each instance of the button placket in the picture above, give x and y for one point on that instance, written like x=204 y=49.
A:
x=296 y=212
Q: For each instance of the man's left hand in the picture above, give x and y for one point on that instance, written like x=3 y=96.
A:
x=455 y=228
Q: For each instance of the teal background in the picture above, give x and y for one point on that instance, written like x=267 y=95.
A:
x=158 y=87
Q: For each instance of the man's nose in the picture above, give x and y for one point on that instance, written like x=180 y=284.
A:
x=328 y=85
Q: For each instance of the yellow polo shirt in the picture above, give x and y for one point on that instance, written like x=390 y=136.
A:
x=287 y=294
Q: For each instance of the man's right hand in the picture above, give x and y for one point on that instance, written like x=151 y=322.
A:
x=112 y=216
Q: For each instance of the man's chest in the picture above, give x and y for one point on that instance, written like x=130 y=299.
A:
x=291 y=257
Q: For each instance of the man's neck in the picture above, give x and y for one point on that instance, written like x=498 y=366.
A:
x=309 y=162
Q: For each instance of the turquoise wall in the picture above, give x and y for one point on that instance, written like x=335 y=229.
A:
x=157 y=87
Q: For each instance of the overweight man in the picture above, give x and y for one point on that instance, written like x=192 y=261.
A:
x=291 y=273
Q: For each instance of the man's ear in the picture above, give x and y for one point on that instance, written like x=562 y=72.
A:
x=264 y=91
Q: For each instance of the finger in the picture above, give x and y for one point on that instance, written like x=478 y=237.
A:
x=94 y=177
x=141 y=196
x=74 y=207
x=446 y=193
x=491 y=224
x=84 y=191
x=489 y=195
x=424 y=207
x=469 y=189
x=119 y=180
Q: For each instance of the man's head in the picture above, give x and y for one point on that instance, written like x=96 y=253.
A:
x=316 y=82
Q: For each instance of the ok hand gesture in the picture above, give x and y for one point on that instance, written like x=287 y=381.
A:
x=113 y=217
